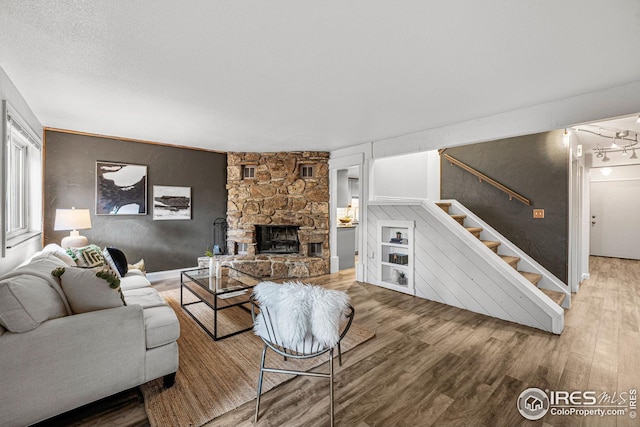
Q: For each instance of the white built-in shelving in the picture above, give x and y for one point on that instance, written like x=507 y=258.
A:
x=395 y=258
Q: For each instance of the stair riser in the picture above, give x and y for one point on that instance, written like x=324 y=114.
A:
x=444 y=206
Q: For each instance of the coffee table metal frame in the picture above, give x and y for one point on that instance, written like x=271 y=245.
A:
x=198 y=276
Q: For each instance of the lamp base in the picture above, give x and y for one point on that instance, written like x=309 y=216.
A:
x=74 y=242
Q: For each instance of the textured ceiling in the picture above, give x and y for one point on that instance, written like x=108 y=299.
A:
x=292 y=74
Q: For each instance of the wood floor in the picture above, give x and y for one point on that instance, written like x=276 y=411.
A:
x=432 y=364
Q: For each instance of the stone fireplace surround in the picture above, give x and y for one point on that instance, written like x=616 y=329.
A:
x=277 y=195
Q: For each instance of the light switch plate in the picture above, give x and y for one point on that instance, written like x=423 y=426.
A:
x=538 y=213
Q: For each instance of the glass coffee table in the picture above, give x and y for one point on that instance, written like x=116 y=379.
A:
x=231 y=289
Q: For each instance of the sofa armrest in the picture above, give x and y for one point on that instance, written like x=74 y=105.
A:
x=70 y=361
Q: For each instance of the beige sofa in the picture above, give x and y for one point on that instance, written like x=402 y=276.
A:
x=66 y=360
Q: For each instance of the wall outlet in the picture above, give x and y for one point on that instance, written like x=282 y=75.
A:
x=538 y=213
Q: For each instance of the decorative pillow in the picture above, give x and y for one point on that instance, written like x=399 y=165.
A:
x=137 y=266
x=26 y=301
x=116 y=260
x=59 y=253
x=90 y=289
x=87 y=256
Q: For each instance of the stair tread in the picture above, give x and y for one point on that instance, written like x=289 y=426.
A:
x=534 y=278
x=458 y=216
x=511 y=260
x=443 y=203
x=474 y=229
x=490 y=243
x=557 y=297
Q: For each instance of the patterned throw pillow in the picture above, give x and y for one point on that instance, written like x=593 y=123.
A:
x=87 y=256
x=90 y=289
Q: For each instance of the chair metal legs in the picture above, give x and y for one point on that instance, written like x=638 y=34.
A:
x=284 y=371
x=331 y=383
x=264 y=353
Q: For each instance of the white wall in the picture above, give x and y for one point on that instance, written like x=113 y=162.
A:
x=410 y=176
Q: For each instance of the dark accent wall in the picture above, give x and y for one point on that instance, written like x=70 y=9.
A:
x=70 y=180
x=536 y=166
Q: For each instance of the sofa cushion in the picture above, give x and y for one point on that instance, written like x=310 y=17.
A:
x=161 y=326
x=59 y=253
x=160 y=322
x=90 y=289
x=40 y=265
x=87 y=256
x=116 y=260
x=26 y=301
x=144 y=297
x=134 y=280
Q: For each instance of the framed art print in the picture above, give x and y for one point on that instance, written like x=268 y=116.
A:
x=171 y=202
x=121 y=189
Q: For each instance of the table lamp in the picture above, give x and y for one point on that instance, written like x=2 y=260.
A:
x=73 y=219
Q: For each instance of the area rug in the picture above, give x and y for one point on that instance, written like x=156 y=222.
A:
x=215 y=377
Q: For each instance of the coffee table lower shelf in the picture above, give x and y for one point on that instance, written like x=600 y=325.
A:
x=216 y=306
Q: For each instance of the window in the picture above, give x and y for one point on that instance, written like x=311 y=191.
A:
x=249 y=172
x=306 y=171
x=16 y=200
x=21 y=190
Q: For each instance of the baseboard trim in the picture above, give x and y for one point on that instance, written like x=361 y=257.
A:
x=158 y=276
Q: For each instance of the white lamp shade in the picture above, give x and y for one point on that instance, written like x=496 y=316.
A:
x=72 y=219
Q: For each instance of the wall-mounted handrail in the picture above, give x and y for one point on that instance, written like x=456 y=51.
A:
x=482 y=177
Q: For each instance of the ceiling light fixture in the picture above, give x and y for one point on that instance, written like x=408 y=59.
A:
x=633 y=154
x=566 y=137
x=622 y=141
x=638 y=119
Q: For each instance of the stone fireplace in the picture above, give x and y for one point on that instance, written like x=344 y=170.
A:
x=278 y=213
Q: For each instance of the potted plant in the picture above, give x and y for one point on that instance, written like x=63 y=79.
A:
x=402 y=278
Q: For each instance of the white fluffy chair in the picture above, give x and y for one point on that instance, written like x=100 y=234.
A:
x=300 y=321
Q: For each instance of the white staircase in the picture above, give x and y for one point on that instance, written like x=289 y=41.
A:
x=454 y=266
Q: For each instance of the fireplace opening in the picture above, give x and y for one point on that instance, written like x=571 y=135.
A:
x=277 y=239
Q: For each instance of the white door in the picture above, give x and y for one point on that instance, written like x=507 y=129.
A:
x=615 y=230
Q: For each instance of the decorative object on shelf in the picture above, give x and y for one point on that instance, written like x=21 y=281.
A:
x=73 y=219
x=171 y=202
x=396 y=258
x=203 y=261
x=402 y=278
x=121 y=189
x=395 y=275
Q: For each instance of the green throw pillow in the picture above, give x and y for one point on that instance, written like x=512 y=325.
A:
x=87 y=256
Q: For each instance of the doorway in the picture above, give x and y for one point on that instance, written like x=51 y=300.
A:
x=614 y=205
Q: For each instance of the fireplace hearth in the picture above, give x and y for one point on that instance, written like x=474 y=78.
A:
x=277 y=239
